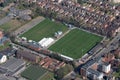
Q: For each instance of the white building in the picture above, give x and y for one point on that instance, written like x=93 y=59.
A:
x=45 y=42
x=58 y=34
x=32 y=1
x=94 y=74
x=3 y=58
x=106 y=68
x=69 y=58
x=116 y=1
x=24 y=38
x=59 y=1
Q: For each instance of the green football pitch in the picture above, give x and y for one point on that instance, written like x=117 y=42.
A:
x=75 y=44
x=33 y=72
x=46 y=28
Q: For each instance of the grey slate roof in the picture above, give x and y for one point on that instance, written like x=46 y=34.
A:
x=88 y=64
x=12 y=64
x=95 y=72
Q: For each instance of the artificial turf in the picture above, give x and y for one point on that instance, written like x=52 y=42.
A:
x=48 y=76
x=46 y=28
x=33 y=72
x=75 y=44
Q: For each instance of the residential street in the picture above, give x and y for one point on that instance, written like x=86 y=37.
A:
x=109 y=46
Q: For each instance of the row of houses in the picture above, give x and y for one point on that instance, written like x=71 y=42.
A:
x=51 y=64
x=28 y=56
x=96 y=21
x=102 y=5
x=23 y=14
x=45 y=62
x=101 y=67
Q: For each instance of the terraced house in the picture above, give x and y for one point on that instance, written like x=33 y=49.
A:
x=86 y=17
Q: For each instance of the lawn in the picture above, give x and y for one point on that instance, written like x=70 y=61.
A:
x=81 y=1
x=46 y=28
x=75 y=44
x=11 y=25
x=33 y=72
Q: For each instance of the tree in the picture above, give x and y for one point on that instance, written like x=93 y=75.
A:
x=73 y=63
x=56 y=56
x=59 y=74
x=1 y=4
x=117 y=74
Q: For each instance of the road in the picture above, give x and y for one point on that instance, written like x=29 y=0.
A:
x=109 y=47
x=29 y=50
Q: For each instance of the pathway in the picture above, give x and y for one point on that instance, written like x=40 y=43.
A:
x=60 y=37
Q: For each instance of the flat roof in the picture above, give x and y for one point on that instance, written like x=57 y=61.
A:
x=12 y=64
x=26 y=54
x=95 y=72
x=88 y=64
x=2 y=78
x=91 y=62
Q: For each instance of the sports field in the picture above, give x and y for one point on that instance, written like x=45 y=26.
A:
x=12 y=25
x=75 y=44
x=46 y=28
x=47 y=76
x=81 y=1
x=33 y=72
